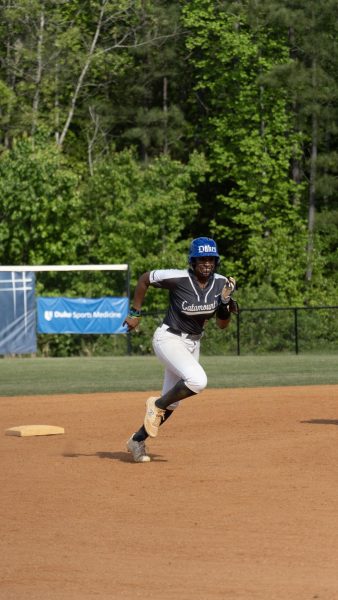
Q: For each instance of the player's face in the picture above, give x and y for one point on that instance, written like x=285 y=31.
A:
x=204 y=266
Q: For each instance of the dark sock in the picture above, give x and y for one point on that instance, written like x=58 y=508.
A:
x=142 y=435
x=176 y=393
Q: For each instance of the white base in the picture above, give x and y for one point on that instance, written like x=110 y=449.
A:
x=30 y=430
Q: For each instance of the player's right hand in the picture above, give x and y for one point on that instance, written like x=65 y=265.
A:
x=131 y=322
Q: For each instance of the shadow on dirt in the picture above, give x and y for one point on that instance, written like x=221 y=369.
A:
x=322 y=422
x=121 y=456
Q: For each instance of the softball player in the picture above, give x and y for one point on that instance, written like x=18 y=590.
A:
x=195 y=295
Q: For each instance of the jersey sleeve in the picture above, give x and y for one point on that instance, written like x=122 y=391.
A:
x=165 y=278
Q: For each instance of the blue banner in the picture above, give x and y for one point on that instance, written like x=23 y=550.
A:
x=17 y=312
x=82 y=315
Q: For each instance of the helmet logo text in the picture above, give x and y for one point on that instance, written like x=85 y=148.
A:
x=207 y=248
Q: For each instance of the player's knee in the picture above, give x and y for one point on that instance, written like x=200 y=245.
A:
x=197 y=383
x=202 y=382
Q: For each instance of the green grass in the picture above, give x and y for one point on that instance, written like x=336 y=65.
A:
x=29 y=376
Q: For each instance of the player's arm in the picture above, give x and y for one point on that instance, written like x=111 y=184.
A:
x=227 y=304
x=134 y=314
x=222 y=323
x=223 y=316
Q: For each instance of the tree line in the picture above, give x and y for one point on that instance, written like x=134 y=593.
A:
x=130 y=126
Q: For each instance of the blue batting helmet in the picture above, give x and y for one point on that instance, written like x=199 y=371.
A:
x=203 y=246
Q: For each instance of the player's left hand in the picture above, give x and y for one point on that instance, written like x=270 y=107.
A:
x=233 y=306
x=227 y=290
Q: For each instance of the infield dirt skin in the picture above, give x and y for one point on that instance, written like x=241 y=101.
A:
x=239 y=502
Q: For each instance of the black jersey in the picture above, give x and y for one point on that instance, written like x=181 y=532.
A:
x=189 y=304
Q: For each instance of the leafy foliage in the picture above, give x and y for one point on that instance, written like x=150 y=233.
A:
x=129 y=127
x=39 y=205
x=248 y=135
x=137 y=213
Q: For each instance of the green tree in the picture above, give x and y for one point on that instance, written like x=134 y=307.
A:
x=310 y=78
x=40 y=218
x=70 y=67
x=248 y=138
x=136 y=214
x=152 y=113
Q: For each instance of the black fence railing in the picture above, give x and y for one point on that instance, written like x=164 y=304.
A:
x=257 y=331
x=317 y=327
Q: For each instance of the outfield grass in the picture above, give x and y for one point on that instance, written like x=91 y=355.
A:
x=137 y=373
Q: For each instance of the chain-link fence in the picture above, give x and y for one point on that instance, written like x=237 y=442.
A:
x=253 y=331
x=294 y=329
x=258 y=331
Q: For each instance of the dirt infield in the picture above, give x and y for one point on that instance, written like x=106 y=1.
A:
x=240 y=501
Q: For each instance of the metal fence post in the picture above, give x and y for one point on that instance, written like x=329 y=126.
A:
x=296 y=330
x=238 y=334
x=129 y=341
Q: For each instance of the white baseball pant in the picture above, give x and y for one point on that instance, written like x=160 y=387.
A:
x=180 y=356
